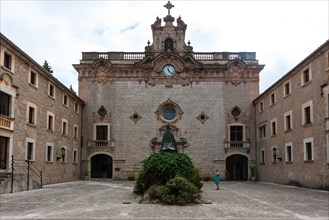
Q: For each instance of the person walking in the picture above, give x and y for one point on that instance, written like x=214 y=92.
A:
x=216 y=178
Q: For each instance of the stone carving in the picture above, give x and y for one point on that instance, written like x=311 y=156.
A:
x=168 y=142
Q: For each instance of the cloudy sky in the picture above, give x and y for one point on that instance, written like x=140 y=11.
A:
x=282 y=33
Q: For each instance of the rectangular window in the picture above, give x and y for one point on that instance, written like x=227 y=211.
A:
x=286 y=88
x=7 y=61
x=31 y=115
x=64 y=154
x=261 y=106
x=29 y=155
x=262 y=157
x=306 y=76
x=76 y=107
x=64 y=128
x=273 y=124
x=5 y=104
x=49 y=153
x=307 y=114
x=274 y=154
x=236 y=136
x=309 y=155
x=288 y=153
x=33 y=78
x=272 y=99
x=51 y=90
x=75 y=132
x=262 y=132
x=65 y=100
x=50 y=122
x=308 y=149
x=101 y=132
x=288 y=123
x=75 y=156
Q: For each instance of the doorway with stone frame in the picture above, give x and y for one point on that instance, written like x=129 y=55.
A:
x=237 y=167
x=101 y=166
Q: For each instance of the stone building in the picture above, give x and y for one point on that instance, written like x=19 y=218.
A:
x=205 y=98
x=292 y=125
x=40 y=118
x=127 y=100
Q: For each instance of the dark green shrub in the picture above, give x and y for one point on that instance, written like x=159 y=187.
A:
x=160 y=167
x=179 y=191
x=195 y=178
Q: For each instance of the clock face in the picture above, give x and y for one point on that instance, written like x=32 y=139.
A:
x=168 y=70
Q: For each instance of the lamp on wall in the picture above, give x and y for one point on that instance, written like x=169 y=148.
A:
x=62 y=154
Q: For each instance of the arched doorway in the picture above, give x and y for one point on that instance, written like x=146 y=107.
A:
x=101 y=166
x=237 y=167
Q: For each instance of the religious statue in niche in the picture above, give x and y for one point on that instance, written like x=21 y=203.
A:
x=168 y=141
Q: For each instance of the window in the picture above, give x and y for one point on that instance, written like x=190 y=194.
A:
x=64 y=154
x=236 y=135
x=7 y=60
x=49 y=152
x=306 y=76
x=65 y=100
x=75 y=131
x=31 y=113
x=50 y=121
x=308 y=149
x=261 y=106
x=289 y=155
x=101 y=132
x=286 y=88
x=75 y=156
x=307 y=113
x=272 y=99
x=287 y=121
x=262 y=156
x=30 y=150
x=273 y=127
x=33 y=79
x=51 y=90
x=64 y=127
x=262 y=132
x=169 y=113
x=76 y=107
x=5 y=104
x=169 y=44
x=274 y=154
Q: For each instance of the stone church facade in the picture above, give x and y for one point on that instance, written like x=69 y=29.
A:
x=130 y=98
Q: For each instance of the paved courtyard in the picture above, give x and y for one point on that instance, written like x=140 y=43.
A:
x=114 y=200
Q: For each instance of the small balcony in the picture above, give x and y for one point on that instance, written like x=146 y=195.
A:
x=97 y=144
x=237 y=146
x=6 y=123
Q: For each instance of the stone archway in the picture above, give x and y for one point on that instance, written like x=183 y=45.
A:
x=237 y=167
x=101 y=166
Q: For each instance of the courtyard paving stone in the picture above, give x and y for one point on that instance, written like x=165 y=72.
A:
x=113 y=199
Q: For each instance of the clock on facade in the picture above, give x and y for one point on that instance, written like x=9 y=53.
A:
x=168 y=70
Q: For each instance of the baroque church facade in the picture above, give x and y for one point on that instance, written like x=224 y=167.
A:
x=130 y=98
x=210 y=102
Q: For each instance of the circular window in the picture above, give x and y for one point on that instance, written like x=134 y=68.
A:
x=236 y=112
x=169 y=113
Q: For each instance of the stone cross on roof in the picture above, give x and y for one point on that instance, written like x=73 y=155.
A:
x=168 y=6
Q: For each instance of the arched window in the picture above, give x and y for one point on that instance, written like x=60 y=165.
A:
x=169 y=44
